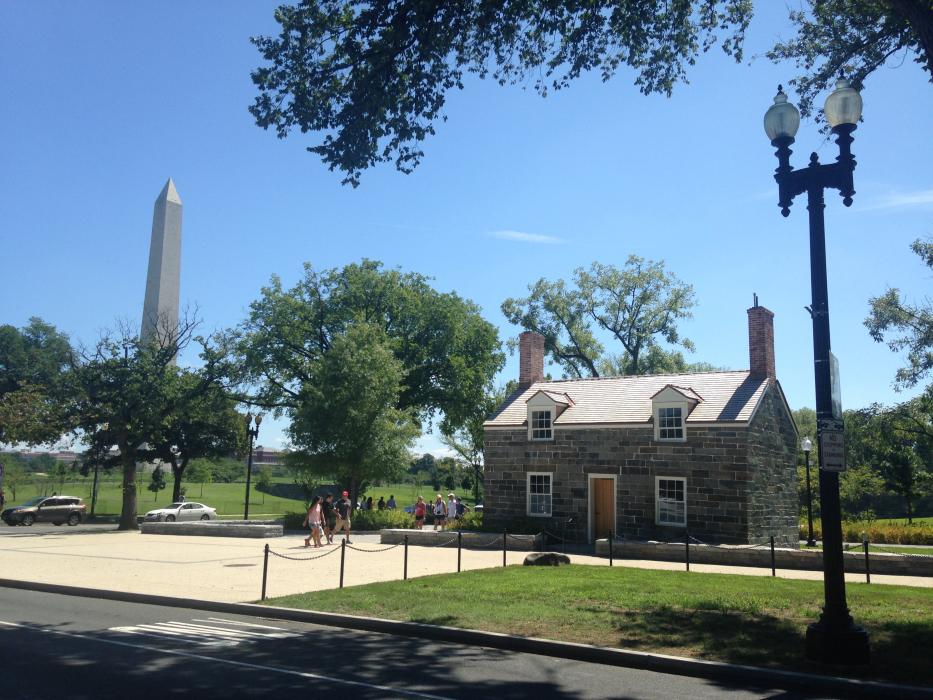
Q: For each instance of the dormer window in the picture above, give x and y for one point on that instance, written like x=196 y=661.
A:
x=544 y=407
x=541 y=425
x=670 y=408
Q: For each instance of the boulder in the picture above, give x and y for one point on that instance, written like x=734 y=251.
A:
x=546 y=559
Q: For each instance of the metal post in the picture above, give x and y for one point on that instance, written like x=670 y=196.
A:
x=405 y=567
x=249 y=472
x=687 y=548
x=459 y=546
x=504 y=535
x=265 y=570
x=810 y=541
x=94 y=491
x=773 y=566
x=610 y=548
x=867 y=565
x=343 y=555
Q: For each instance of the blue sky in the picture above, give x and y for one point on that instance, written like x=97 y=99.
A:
x=104 y=101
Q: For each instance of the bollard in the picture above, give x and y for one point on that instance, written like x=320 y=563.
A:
x=343 y=554
x=265 y=570
x=773 y=567
x=687 y=548
x=504 y=535
x=459 y=547
x=405 y=568
x=610 y=548
x=867 y=566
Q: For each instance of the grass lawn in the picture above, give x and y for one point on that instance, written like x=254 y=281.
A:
x=738 y=619
x=889 y=548
x=903 y=521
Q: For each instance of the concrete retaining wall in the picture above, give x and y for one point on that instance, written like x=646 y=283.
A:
x=473 y=540
x=215 y=528
x=802 y=559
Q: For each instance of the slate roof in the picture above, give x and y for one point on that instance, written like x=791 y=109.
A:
x=727 y=397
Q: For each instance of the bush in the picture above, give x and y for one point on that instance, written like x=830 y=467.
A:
x=379 y=519
x=878 y=533
x=472 y=521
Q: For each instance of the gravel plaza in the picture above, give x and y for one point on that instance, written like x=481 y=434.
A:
x=230 y=570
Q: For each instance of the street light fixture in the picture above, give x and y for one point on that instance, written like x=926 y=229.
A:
x=834 y=638
x=806 y=445
x=252 y=434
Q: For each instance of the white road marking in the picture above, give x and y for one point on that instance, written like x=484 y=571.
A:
x=205 y=635
x=228 y=662
x=238 y=623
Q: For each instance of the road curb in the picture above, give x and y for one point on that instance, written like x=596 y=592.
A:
x=698 y=668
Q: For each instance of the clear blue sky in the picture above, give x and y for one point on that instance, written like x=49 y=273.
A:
x=104 y=101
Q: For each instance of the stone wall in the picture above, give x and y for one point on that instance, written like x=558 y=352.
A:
x=713 y=460
x=772 y=504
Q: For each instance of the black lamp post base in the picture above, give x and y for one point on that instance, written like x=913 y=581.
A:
x=844 y=647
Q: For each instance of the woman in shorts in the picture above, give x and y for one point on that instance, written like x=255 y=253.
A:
x=419 y=513
x=440 y=512
x=314 y=522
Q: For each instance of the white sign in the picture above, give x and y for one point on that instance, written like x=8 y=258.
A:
x=832 y=451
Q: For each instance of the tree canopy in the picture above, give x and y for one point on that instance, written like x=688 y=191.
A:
x=372 y=78
x=448 y=352
x=637 y=306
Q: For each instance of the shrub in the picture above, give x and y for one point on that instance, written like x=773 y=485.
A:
x=877 y=533
x=379 y=519
x=472 y=521
x=293 y=521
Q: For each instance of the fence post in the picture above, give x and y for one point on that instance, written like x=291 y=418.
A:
x=343 y=554
x=687 y=547
x=265 y=570
x=405 y=568
x=504 y=535
x=867 y=565
x=773 y=567
x=610 y=548
x=459 y=546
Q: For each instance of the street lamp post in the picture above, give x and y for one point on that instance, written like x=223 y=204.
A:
x=834 y=638
x=806 y=445
x=251 y=433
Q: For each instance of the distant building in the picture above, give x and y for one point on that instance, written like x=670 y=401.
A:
x=266 y=457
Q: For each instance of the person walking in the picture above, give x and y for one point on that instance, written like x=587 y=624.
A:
x=330 y=517
x=344 y=508
x=369 y=503
x=381 y=505
x=390 y=504
x=420 y=508
x=313 y=520
x=452 y=510
x=440 y=512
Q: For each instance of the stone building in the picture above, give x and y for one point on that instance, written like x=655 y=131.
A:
x=649 y=457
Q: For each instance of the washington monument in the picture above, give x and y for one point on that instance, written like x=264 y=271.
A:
x=160 y=309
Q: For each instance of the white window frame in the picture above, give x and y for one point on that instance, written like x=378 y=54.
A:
x=657 y=500
x=658 y=407
x=550 y=494
x=531 y=426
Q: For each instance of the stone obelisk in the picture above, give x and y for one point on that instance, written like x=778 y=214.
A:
x=160 y=309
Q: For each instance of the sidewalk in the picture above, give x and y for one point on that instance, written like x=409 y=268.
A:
x=230 y=570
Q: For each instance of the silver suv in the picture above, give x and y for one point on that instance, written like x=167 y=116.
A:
x=46 y=509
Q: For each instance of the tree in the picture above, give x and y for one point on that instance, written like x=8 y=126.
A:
x=906 y=327
x=157 y=483
x=14 y=473
x=855 y=36
x=198 y=472
x=34 y=365
x=264 y=481
x=638 y=306
x=425 y=468
x=347 y=423
x=447 y=351
x=373 y=78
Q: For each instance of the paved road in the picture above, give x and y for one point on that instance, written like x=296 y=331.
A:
x=40 y=529
x=63 y=646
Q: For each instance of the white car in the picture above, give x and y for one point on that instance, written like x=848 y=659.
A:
x=182 y=511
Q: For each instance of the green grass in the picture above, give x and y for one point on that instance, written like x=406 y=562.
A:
x=885 y=548
x=903 y=521
x=737 y=619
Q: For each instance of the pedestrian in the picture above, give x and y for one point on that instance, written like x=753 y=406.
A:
x=440 y=512
x=452 y=509
x=420 y=507
x=391 y=505
x=381 y=505
x=344 y=508
x=369 y=503
x=313 y=521
x=419 y=512
x=462 y=508
x=330 y=517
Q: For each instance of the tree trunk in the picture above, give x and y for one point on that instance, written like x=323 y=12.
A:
x=910 y=509
x=178 y=472
x=128 y=514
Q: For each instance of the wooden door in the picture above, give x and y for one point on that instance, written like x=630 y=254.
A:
x=603 y=507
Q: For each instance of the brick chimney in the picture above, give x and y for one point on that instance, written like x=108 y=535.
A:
x=531 y=359
x=761 y=340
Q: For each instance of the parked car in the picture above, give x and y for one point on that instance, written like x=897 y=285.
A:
x=46 y=509
x=181 y=511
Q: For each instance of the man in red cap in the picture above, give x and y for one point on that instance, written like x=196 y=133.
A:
x=344 y=508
